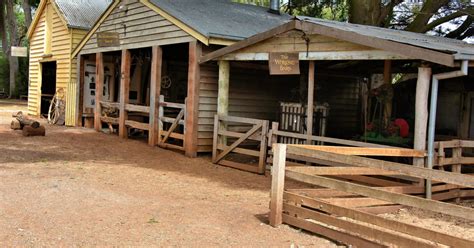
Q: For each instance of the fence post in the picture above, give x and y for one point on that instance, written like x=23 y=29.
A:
x=161 y=113
x=215 y=141
x=278 y=183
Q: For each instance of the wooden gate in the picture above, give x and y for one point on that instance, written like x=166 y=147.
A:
x=246 y=137
x=172 y=125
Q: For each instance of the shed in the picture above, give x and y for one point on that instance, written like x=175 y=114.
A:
x=337 y=51
x=57 y=28
x=140 y=71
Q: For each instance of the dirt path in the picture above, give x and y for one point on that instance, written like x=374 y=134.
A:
x=76 y=187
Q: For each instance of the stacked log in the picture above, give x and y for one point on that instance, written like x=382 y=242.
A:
x=29 y=127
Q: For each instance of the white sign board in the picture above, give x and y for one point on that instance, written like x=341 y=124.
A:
x=19 y=52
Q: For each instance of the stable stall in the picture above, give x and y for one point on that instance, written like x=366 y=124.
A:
x=331 y=64
x=156 y=88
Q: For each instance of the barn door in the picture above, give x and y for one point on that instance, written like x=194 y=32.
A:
x=240 y=143
x=172 y=125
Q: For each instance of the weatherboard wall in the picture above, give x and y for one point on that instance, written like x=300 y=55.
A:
x=60 y=53
x=138 y=27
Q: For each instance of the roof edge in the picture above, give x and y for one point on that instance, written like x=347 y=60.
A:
x=293 y=24
x=94 y=27
x=35 y=21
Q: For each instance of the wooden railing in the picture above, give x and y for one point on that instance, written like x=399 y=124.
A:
x=346 y=200
x=241 y=131
x=169 y=126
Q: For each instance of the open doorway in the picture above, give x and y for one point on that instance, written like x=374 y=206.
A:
x=48 y=85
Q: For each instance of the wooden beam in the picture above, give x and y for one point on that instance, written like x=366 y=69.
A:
x=99 y=89
x=334 y=56
x=250 y=41
x=367 y=151
x=337 y=171
x=192 y=102
x=407 y=200
x=223 y=95
x=155 y=91
x=310 y=107
x=441 y=176
x=421 y=111
x=386 y=45
x=223 y=92
x=124 y=92
x=379 y=221
x=278 y=184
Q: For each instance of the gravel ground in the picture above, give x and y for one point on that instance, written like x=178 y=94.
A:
x=76 y=187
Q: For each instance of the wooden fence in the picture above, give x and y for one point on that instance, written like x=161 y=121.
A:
x=172 y=125
x=344 y=207
x=248 y=137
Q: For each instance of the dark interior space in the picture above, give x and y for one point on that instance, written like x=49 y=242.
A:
x=48 y=85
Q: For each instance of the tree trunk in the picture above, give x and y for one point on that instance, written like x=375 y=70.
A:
x=12 y=30
x=27 y=10
x=3 y=32
x=430 y=7
x=365 y=12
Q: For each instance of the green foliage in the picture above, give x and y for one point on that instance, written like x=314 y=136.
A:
x=22 y=78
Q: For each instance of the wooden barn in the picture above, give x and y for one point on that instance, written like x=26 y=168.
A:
x=140 y=71
x=328 y=63
x=57 y=28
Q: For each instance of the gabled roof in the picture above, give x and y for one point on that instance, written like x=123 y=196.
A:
x=210 y=21
x=77 y=14
x=222 y=18
x=413 y=45
x=82 y=14
x=441 y=44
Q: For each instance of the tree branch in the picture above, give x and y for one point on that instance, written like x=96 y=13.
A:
x=457 y=33
x=430 y=7
x=447 y=18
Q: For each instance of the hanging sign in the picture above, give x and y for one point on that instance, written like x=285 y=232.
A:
x=108 y=39
x=19 y=52
x=284 y=63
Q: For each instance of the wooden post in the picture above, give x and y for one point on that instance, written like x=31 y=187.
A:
x=278 y=184
x=387 y=77
x=99 y=88
x=155 y=89
x=310 y=108
x=223 y=94
x=192 y=104
x=124 y=92
x=421 y=112
x=161 y=113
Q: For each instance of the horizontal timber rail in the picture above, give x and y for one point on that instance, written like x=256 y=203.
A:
x=346 y=210
x=250 y=142
x=172 y=126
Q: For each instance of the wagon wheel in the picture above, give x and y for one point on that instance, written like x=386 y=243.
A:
x=56 y=108
x=166 y=82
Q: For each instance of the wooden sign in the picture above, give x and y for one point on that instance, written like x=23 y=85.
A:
x=108 y=39
x=19 y=52
x=284 y=63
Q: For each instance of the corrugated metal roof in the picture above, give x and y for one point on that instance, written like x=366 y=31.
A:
x=82 y=14
x=442 y=44
x=222 y=18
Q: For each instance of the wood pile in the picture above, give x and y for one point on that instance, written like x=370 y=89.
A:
x=29 y=127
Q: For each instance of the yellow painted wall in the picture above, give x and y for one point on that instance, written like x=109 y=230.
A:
x=63 y=40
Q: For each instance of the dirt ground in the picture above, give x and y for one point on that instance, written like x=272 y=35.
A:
x=76 y=187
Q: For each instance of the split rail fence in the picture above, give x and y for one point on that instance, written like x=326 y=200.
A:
x=343 y=201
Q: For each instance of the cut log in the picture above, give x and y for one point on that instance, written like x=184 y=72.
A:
x=16 y=125
x=25 y=121
x=29 y=131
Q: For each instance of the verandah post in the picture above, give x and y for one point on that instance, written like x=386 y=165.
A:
x=223 y=94
x=124 y=92
x=99 y=88
x=155 y=90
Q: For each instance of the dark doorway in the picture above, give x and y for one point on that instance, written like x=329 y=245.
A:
x=48 y=85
